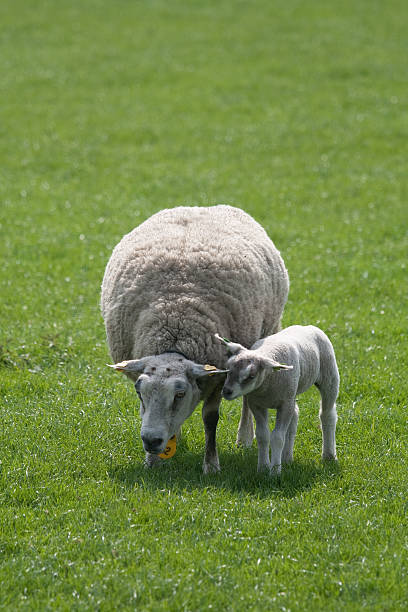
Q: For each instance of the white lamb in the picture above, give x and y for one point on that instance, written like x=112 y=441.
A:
x=169 y=285
x=259 y=374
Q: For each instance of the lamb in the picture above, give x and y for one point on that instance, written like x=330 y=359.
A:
x=169 y=285
x=260 y=375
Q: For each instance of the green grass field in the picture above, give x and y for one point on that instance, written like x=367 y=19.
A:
x=110 y=111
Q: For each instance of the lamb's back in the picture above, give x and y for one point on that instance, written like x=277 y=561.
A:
x=305 y=347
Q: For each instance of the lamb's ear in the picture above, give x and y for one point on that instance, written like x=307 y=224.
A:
x=199 y=371
x=271 y=364
x=133 y=365
x=232 y=347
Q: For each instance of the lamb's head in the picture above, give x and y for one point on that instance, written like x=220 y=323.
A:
x=246 y=369
x=169 y=387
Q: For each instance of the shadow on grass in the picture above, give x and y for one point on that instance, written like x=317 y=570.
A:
x=238 y=475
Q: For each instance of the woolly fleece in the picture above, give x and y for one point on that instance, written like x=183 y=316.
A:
x=186 y=273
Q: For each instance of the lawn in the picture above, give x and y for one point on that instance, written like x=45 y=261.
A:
x=110 y=111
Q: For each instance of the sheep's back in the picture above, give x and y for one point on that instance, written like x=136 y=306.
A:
x=187 y=273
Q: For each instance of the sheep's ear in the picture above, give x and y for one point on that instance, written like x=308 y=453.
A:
x=133 y=365
x=200 y=371
x=271 y=364
x=232 y=347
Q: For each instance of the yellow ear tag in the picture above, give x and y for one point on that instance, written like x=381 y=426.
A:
x=170 y=449
x=119 y=367
x=208 y=368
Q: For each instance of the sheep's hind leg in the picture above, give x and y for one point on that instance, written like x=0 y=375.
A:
x=287 y=452
x=210 y=414
x=262 y=437
x=328 y=420
x=245 y=434
x=329 y=388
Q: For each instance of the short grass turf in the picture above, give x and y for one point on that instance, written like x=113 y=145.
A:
x=110 y=111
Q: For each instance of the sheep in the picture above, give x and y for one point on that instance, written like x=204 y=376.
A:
x=271 y=374
x=169 y=285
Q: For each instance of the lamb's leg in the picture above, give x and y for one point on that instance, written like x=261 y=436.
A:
x=287 y=452
x=328 y=420
x=245 y=435
x=210 y=414
x=284 y=415
x=262 y=436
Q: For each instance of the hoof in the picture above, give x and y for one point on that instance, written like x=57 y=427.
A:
x=329 y=457
x=275 y=471
x=211 y=468
x=244 y=441
x=263 y=469
x=287 y=459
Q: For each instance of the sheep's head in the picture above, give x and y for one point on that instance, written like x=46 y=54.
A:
x=169 y=387
x=246 y=369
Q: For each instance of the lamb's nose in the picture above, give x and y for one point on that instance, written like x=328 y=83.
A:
x=227 y=392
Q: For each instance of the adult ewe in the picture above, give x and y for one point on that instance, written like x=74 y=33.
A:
x=169 y=286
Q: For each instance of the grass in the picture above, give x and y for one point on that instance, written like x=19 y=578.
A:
x=111 y=111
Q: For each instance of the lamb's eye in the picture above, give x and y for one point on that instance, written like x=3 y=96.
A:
x=180 y=394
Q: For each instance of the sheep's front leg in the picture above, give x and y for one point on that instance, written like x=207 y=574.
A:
x=287 y=452
x=284 y=416
x=262 y=437
x=245 y=434
x=210 y=414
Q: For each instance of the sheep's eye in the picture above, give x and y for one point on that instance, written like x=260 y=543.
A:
x=249 y=378
x=180 y=394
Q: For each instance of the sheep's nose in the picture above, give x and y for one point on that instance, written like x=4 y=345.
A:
x=227 y=392
x=151 y=445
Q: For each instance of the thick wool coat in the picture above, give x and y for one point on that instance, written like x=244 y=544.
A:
x=187 y=273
